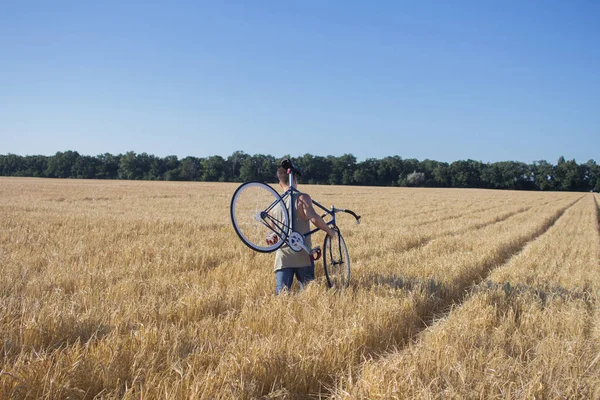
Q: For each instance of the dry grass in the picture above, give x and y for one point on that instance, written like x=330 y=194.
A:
x=142 y=289
x=530 y=331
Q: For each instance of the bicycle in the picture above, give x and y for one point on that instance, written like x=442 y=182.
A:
x=258 y=211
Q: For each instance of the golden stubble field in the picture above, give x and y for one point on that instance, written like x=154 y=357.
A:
x=122 y=289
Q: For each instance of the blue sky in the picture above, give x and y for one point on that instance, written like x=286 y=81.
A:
x=490 y=81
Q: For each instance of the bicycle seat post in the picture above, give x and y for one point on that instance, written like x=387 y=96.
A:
x=291 y=174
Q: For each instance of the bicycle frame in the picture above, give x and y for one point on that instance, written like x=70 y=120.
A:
x=290 y=193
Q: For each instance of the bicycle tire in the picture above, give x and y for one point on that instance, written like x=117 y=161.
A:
x=257 y=211
x=336 y=262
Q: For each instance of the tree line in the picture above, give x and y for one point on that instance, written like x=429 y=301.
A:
x=565 y=175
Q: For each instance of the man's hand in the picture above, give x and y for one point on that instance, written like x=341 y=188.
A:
x=330 y=232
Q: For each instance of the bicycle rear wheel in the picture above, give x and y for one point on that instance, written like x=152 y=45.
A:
x=258 y=211
x=336 y=262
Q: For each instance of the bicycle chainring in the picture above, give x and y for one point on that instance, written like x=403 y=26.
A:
x=296 y=241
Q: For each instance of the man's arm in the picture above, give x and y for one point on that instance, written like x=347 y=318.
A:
x=305 y=202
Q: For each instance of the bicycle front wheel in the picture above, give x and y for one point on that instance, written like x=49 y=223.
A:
x=336 y=261
x=259 y=212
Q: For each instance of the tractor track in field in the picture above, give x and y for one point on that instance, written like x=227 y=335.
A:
x=541 y=292
x=484 y=284
x=469 y=212
x=476 y=226
x=507 y=251
x=455 y=216
x=444 y=210
x=440 y=299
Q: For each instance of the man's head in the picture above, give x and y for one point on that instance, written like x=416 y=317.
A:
x=284 y=178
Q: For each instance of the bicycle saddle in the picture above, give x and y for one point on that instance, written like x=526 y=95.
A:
x=289 y=165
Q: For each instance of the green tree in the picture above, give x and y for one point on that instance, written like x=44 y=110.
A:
x=35 y=166
x=214 y=169
x=315 y=169
x=152 y=167
x=441 y=175
x=191 y=169
x=429 y=167
x=366 y=172
x=172 y=168
x=568 y=175
x=543 y=175
x=593 y=176
x=258 y=167
x=466 y=174
x=249 y=169
x=108 y=166
x=85 y=167
x=129 y=166
x=12 y=164
x=388 y=171
x=61 y=164
x=342 y=169
x=507 y=175
x=234 y=163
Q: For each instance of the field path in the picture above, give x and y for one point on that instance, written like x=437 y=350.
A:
x=552 y=281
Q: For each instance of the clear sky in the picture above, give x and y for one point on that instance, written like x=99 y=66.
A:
x=444 y=80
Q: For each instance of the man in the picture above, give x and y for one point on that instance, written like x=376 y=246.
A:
x=287 y=261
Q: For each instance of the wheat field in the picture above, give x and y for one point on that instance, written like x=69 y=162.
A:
x=142 y=290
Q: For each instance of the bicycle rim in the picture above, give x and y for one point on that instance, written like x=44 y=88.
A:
x=336 y=262
x=258 y=211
